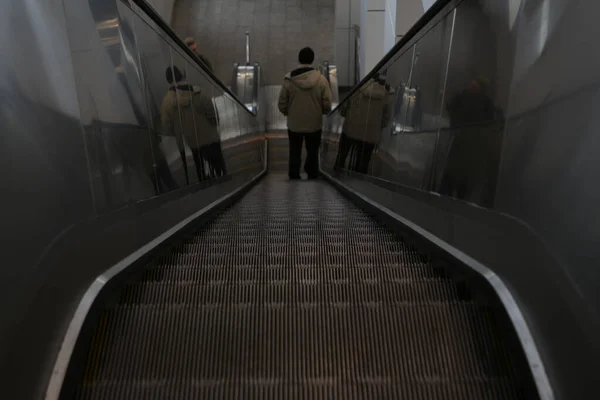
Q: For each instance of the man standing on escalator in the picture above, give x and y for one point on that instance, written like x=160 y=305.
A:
x=191 y=43
x=304 y=98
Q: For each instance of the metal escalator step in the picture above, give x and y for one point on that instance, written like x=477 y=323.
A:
x=289 y=292
x=295 y=293
x=329 y=239
x=485 y=389
x=298 y=249
x=370 y=344
x=266 y=273
x=284 y=259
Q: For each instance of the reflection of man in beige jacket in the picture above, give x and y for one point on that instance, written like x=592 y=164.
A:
x=366 y=113
x=304 y=98
x=190 y=115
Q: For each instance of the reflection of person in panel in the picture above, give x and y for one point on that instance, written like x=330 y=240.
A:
x=366 y=113
x=471 y=113
x=161 y=174
x=198 y=122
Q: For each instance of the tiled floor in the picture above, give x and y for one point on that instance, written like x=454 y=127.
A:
x=278 y=29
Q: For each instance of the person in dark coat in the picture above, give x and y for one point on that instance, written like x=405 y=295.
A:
x=471 y=112
x=191 y=43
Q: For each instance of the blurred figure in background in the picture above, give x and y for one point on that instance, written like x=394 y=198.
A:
x=191 y=43
x=475 y=148
x=473 y=105
x=366 y=113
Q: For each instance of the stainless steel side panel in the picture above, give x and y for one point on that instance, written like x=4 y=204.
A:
x=45 y=181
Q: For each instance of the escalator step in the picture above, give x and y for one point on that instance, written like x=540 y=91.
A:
x=327 y=273
x=296 y=293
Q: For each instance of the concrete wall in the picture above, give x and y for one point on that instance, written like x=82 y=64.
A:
x=278 y=30
x=347 y=15
x=427 y=4
x=407 y=13
x=164 y=8
x=372 y=34
x=382 y=23
x=389 y=39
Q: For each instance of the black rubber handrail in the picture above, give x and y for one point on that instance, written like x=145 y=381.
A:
x=429 y=15
x=151 y=12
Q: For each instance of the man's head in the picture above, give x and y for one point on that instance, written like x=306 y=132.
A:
x=191 y=43
x=306 y=56
x=173 y=74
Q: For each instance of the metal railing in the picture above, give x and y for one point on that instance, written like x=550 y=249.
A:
x=356 y=30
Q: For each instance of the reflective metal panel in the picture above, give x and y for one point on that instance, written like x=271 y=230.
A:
x=549 y=162
x=45 y=177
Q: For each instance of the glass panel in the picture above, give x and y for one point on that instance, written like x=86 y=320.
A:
x=479 y=74
x=233 y=122
x=113 y=110
x=399 y=79
x=209 y=155
x=184 y=126
x=162 y=107
x=427 y=94
x=355 y=113
x=241 y=157
x=227 y=122
x=330 y=142
x=393 y=160
x=408 y=139
x=376 y=101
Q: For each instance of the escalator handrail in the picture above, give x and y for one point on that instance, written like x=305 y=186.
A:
x=427 y=17
x=151 y=12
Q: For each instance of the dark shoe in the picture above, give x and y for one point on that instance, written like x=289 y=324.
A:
x=295 y=178
x=313 y=177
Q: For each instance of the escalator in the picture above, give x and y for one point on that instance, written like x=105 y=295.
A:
x=295 y=292
x=132 y=274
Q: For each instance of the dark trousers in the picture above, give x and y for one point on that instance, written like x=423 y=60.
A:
x=450 y=186
x=311 y=165
x=199 y=161
x=344 y=146
x=162 y=176
x=214 y=154
x=362 y=156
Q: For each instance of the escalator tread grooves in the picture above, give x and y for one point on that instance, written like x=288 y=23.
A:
x=294 y=292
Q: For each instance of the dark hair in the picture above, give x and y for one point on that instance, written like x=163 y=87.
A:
x=306 y=56
x=173 y=72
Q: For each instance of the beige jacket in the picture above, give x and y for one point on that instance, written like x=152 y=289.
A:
x=196 y=110
x=366 y=113
x=304 y=99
